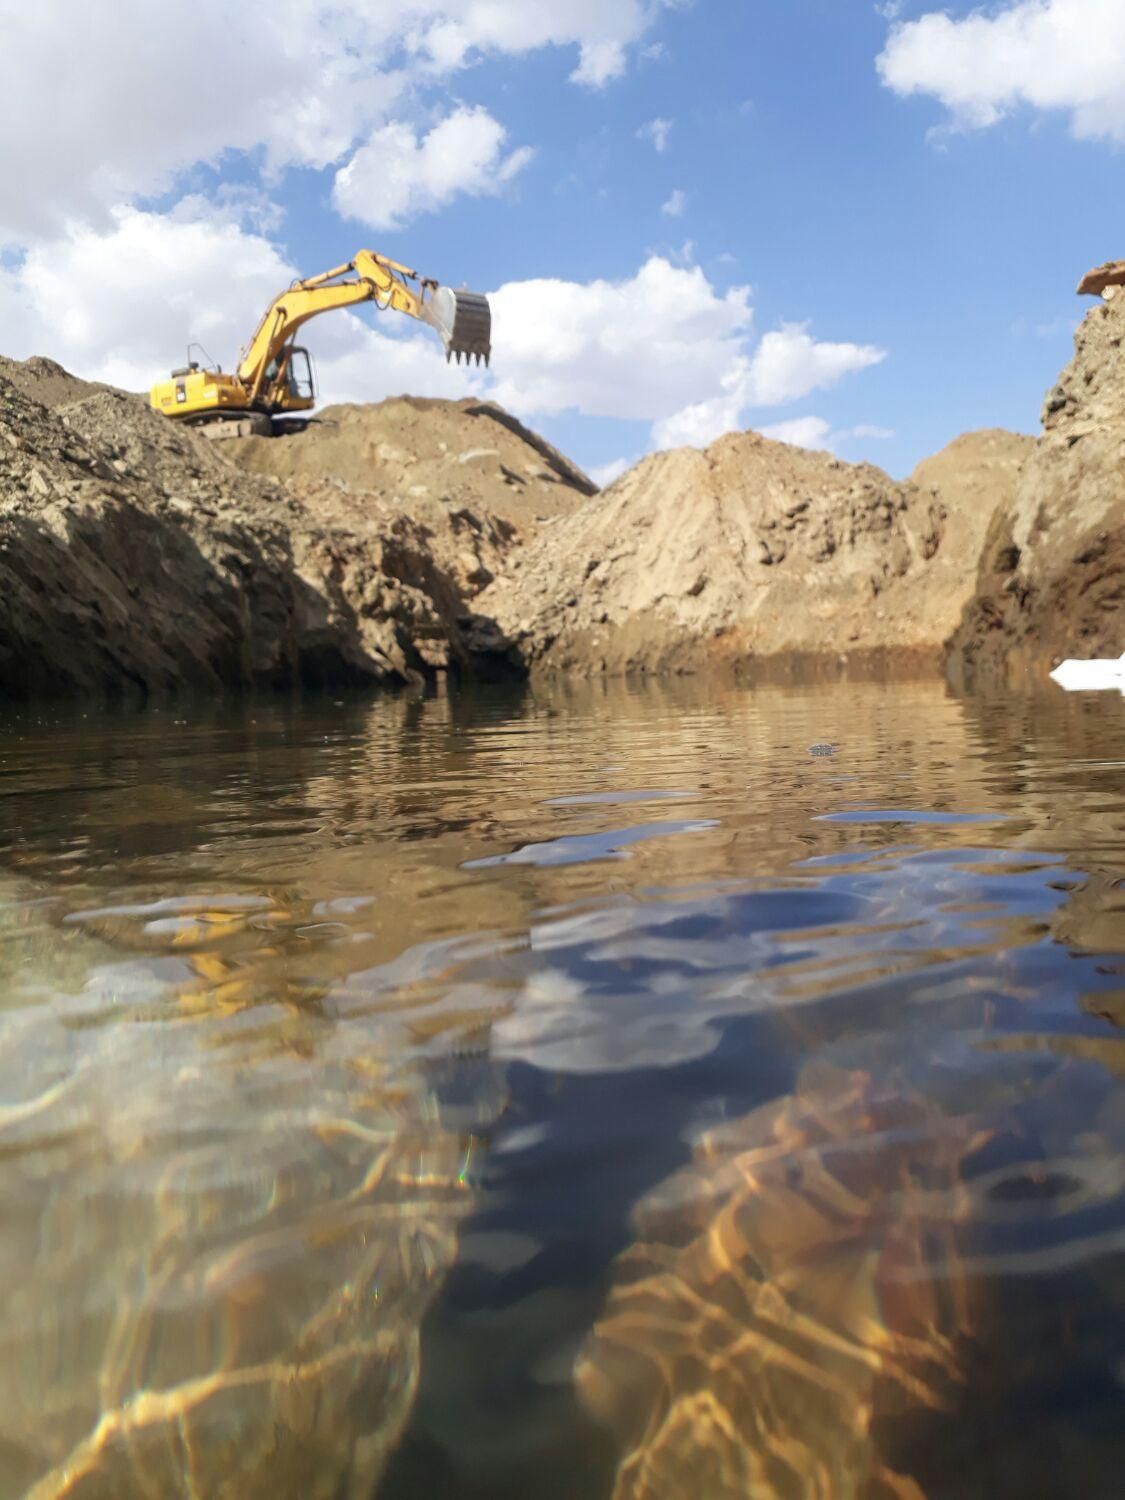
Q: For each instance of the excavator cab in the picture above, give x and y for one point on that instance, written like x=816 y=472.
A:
x=299 y=376
x=289 y=383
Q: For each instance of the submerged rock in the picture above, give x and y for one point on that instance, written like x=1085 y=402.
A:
x=839 y=1296
x=225 y=1218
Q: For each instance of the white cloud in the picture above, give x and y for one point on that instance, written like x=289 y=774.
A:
x=787 y=365
x=1050 y=54
x=603 y=475
x=147 y=95
x=657 y=131
x=663 y=346
x=802 y=432
x=398 y=175
x=673 y=207
x=635 y=348
x=302 y=81
x=450 y=31
x=598 y=63
x=815 y=432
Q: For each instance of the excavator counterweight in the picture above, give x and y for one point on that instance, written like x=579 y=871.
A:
x=274 y=375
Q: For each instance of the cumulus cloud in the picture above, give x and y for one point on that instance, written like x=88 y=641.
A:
x=663 y=346
x=300 y=82
x=787 y=365
x=398 y=175
x=1066 y=55
x=632 y=348
x=657 y=131
x=673 y=207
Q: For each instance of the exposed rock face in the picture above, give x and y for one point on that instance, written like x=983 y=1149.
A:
x=1052 y=573
x=451 y=452
x=755 y=549
x=135 y=559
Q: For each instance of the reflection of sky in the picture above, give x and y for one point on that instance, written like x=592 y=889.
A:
x=585 y=848
x=643 y=981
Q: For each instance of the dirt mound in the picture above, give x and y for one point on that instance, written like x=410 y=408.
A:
x=976 y=472
x=134 y=558
x=754 y=549
x=1052 y=572
x=408 y=449
x=45 y=381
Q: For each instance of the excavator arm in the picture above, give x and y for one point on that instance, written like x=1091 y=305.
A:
x=461 y=319
x=262 y=385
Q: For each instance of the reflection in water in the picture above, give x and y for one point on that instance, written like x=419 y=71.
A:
x=594 y=1093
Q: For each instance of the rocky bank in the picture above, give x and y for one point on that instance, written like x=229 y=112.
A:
x=136 y=559
x=1051 y=578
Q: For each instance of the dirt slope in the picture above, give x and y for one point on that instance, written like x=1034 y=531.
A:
x=753 y=550
x=409 y=449
x=135 y=559
x=45 y=381
x=1052 y=573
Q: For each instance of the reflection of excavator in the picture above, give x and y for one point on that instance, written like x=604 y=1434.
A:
x=274 y=376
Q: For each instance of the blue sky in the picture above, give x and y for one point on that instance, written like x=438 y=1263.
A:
x=850 y=224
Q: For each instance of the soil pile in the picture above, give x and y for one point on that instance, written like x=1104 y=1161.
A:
x=135 y=559
x=411 y=450
x=45 y=381
x=1052 y=572
x=755 y=549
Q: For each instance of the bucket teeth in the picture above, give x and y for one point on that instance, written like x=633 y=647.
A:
x=463 y=322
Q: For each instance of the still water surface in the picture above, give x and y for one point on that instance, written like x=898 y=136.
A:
x=589 y=1093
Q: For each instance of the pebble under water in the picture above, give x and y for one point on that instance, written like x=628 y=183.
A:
x=599 y=1091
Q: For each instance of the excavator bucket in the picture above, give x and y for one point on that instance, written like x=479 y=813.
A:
x=463 y=322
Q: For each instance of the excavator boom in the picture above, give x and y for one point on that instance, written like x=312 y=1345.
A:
x=273 y=374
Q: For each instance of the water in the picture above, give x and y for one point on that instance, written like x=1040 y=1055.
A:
x=605 y=1091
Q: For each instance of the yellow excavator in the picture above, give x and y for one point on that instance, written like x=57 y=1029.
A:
x=274 y=375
